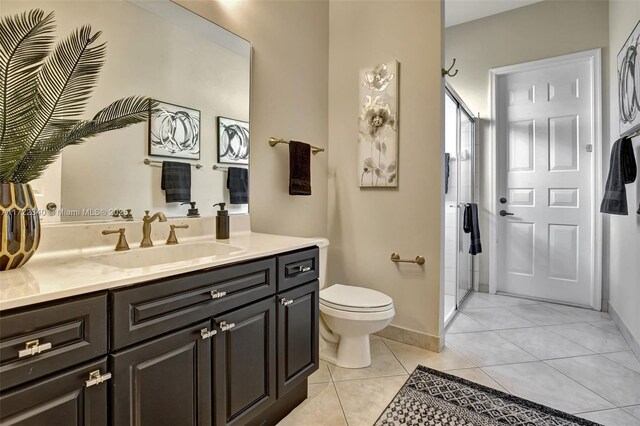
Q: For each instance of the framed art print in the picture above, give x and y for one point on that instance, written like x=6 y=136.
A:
x=174 y=131
x=233 y=141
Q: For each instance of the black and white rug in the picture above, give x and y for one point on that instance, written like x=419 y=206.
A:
x=431 y=397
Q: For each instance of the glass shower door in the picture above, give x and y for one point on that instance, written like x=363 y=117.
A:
x=460 y=138
x=466 y=145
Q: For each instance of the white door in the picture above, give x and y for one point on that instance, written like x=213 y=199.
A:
x=48 y=192
x=546 y=117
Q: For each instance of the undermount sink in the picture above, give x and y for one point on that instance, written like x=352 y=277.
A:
x=166 y=254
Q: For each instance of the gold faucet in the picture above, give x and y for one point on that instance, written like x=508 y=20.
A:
x=122 y=240
x=146 y=227
x=172 y=240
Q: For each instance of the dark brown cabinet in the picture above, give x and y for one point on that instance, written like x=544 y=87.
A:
x=164 y=382
x=225 y=346
x=61 y=400
x=298 y=316
x=245 y=362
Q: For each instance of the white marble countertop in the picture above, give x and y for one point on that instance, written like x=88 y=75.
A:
x=75 y=273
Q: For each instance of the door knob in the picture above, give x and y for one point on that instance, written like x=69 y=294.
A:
x=51 y=207
x=504 y=213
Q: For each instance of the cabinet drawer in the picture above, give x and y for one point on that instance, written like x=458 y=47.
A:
x=298 y=268
x=163 y=306
x=62 y=399
x=60 y=335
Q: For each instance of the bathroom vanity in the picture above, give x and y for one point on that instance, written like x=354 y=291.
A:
x=231 y=343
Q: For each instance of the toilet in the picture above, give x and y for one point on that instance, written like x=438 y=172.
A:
x=348 y=315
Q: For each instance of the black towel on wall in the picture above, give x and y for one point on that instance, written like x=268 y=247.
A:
x=238 y=185
x=299 y=168
x=447 y=158
x=622 y=170
x=176 y=181
x=471 y=225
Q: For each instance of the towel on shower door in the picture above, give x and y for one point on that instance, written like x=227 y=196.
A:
x=447 y=159
x=622 y=170
x=299 y=168
x=176 y=181
x=471 y=225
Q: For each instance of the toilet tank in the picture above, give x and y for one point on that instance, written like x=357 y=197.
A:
x=323 y=244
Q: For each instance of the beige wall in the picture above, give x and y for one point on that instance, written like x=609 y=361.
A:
x=542 y=30
x=288 y=100
x=624 y=275
x=367 y=225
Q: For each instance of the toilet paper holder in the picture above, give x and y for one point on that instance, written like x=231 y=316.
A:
x=395 y=257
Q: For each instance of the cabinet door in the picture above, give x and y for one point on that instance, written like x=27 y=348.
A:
x=59 y=400
x=298 y=354
x=245 y=362
x=164 y=382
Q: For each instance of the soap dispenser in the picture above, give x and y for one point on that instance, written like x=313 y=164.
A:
x=193 y=211
x=222 y=222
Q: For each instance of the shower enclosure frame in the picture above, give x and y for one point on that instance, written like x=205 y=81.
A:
x=461 y=248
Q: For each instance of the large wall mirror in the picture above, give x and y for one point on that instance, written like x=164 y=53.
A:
x=158 y=49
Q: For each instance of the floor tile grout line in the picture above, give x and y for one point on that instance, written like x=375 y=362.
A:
x=580 y=384
x=549 y=359
x=394 y=355
x=577 y=343
x=344 y=414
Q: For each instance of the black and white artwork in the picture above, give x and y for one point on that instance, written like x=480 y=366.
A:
x=233 y=141
x=629 y=83
x=174 y=131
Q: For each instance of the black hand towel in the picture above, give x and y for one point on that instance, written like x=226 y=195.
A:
x=471 y=225
x=176 y=181
x=299 y=168
x=238 y=185
x=447 y=159
x=622 y=170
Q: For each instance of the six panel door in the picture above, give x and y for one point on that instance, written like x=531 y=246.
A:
x=545 y=136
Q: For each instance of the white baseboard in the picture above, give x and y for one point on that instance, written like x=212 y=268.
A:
x=633 y=343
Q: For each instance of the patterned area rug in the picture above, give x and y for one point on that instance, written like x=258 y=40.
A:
x=432 y=397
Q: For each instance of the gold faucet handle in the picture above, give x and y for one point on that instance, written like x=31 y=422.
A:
x=122 y=244
x=172 y=234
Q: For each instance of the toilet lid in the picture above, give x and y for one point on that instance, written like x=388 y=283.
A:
x=352 y=298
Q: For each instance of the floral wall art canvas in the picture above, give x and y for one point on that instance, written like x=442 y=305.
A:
x=378 y=133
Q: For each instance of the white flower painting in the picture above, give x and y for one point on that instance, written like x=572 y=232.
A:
x=378 y=133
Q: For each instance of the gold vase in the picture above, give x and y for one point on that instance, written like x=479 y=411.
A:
x=19 y=225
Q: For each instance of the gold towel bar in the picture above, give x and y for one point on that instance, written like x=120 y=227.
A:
x=153 y=163
x=395 y=257
x=275 y=141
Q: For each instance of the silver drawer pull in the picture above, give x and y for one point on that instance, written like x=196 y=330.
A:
x=95 y=378
x=33 y=347
x=304 y=268
x=215 y=294
x=206 y=333
x=285 y=302
x=226 y=327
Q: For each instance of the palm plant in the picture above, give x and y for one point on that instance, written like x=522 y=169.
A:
x=44 y=90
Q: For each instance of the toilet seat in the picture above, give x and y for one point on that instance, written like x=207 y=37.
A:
x=355 y=299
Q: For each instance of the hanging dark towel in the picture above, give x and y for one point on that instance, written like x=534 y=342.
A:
x=176 y=181
x=447 y=158
x=238 y=185
x=299 y=168
x=622 y=170
x=471 y=225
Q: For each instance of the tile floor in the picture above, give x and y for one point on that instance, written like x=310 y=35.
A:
x=568 y=358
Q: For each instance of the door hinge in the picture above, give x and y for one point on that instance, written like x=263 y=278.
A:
x=589 y=147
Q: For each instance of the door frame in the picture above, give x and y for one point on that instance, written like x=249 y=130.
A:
x=595 y=59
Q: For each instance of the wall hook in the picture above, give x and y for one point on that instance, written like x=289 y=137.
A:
x=448 y=71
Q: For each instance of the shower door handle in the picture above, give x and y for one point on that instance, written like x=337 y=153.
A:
x=504 y=213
